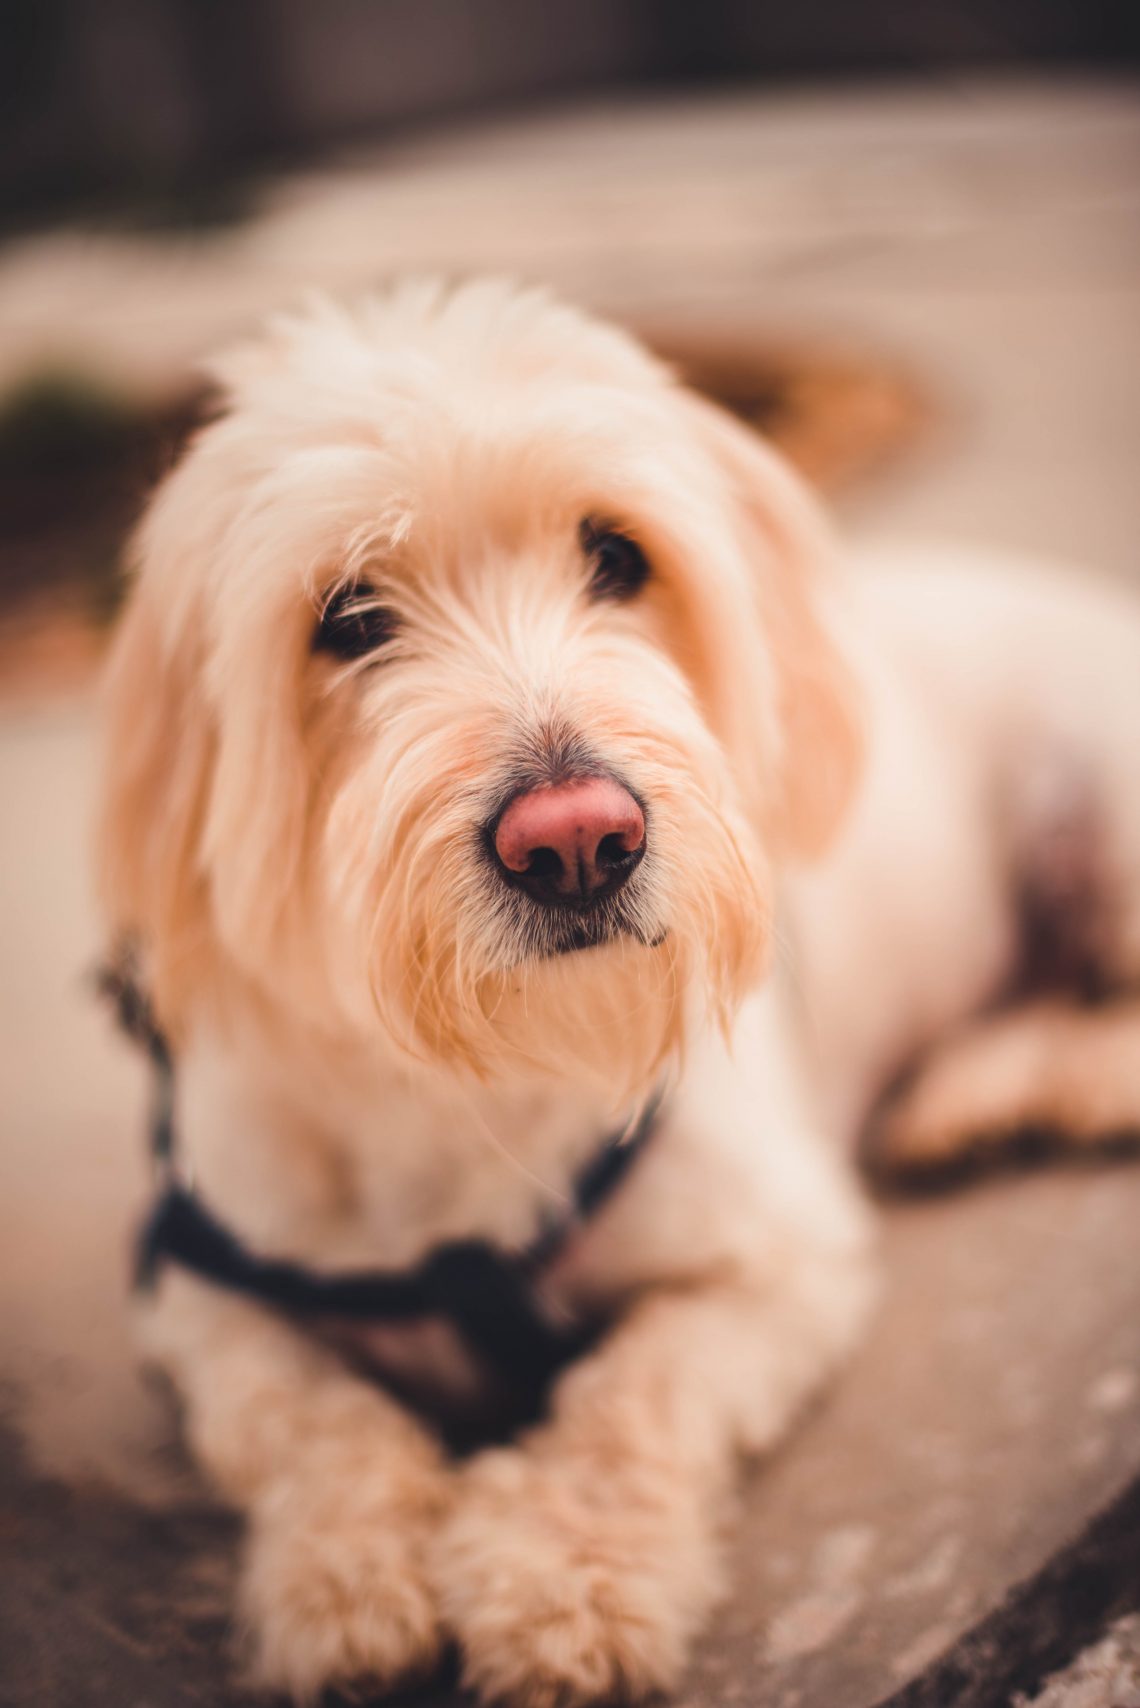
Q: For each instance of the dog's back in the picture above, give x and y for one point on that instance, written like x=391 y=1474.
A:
x=994 y=864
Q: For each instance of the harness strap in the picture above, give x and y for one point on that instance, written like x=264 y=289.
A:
x=489 y=1296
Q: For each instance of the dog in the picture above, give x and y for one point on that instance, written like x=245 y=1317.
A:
x=502 y=763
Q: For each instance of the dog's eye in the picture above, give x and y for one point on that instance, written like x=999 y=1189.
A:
x=352 y=624
x=618 y=566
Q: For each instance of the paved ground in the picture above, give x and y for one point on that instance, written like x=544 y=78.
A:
x=987 y=238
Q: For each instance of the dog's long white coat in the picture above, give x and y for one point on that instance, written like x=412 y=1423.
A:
x=582 y=1560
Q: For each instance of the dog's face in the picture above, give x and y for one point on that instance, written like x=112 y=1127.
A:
x=469 y=689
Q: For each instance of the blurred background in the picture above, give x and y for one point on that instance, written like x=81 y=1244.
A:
x=164 y=108
x=902 y=240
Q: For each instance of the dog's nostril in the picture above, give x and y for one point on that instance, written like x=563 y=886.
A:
x=612 y=850
x=544 y=863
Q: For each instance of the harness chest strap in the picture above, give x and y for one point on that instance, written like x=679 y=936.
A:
x=489 y=1296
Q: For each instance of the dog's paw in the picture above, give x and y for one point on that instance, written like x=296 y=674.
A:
x=336 y=1589
x=566 y=1584
x=911 y=1140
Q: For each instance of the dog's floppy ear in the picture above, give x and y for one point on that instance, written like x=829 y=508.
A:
x=203 y=771
x=158 y=759
x=787 y=547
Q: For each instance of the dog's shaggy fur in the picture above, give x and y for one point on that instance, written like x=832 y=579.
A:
x=381 y=1045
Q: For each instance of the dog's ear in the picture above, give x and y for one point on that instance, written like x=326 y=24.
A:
x=786 y=547
x=203 y=802
x=156 y=769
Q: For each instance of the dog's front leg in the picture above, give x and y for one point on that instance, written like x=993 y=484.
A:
x=579 y=1565
x=341 y=1488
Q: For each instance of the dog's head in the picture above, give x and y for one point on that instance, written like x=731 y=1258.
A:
x=471 y=685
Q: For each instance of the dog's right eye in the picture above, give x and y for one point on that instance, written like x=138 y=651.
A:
x=618 y=566
x=352 y=623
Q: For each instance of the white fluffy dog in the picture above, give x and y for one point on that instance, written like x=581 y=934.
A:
x=482 y=699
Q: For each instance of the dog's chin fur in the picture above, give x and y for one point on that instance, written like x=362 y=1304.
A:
x=313 y=828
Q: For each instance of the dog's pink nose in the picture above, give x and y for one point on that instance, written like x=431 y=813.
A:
x=569 y=844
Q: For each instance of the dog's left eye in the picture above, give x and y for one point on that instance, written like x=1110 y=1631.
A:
x=352 y=624
x=618 y=566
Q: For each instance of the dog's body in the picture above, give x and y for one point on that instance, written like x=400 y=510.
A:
x=386 y=1043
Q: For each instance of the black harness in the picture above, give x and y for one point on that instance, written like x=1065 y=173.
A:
x=491 y=1298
